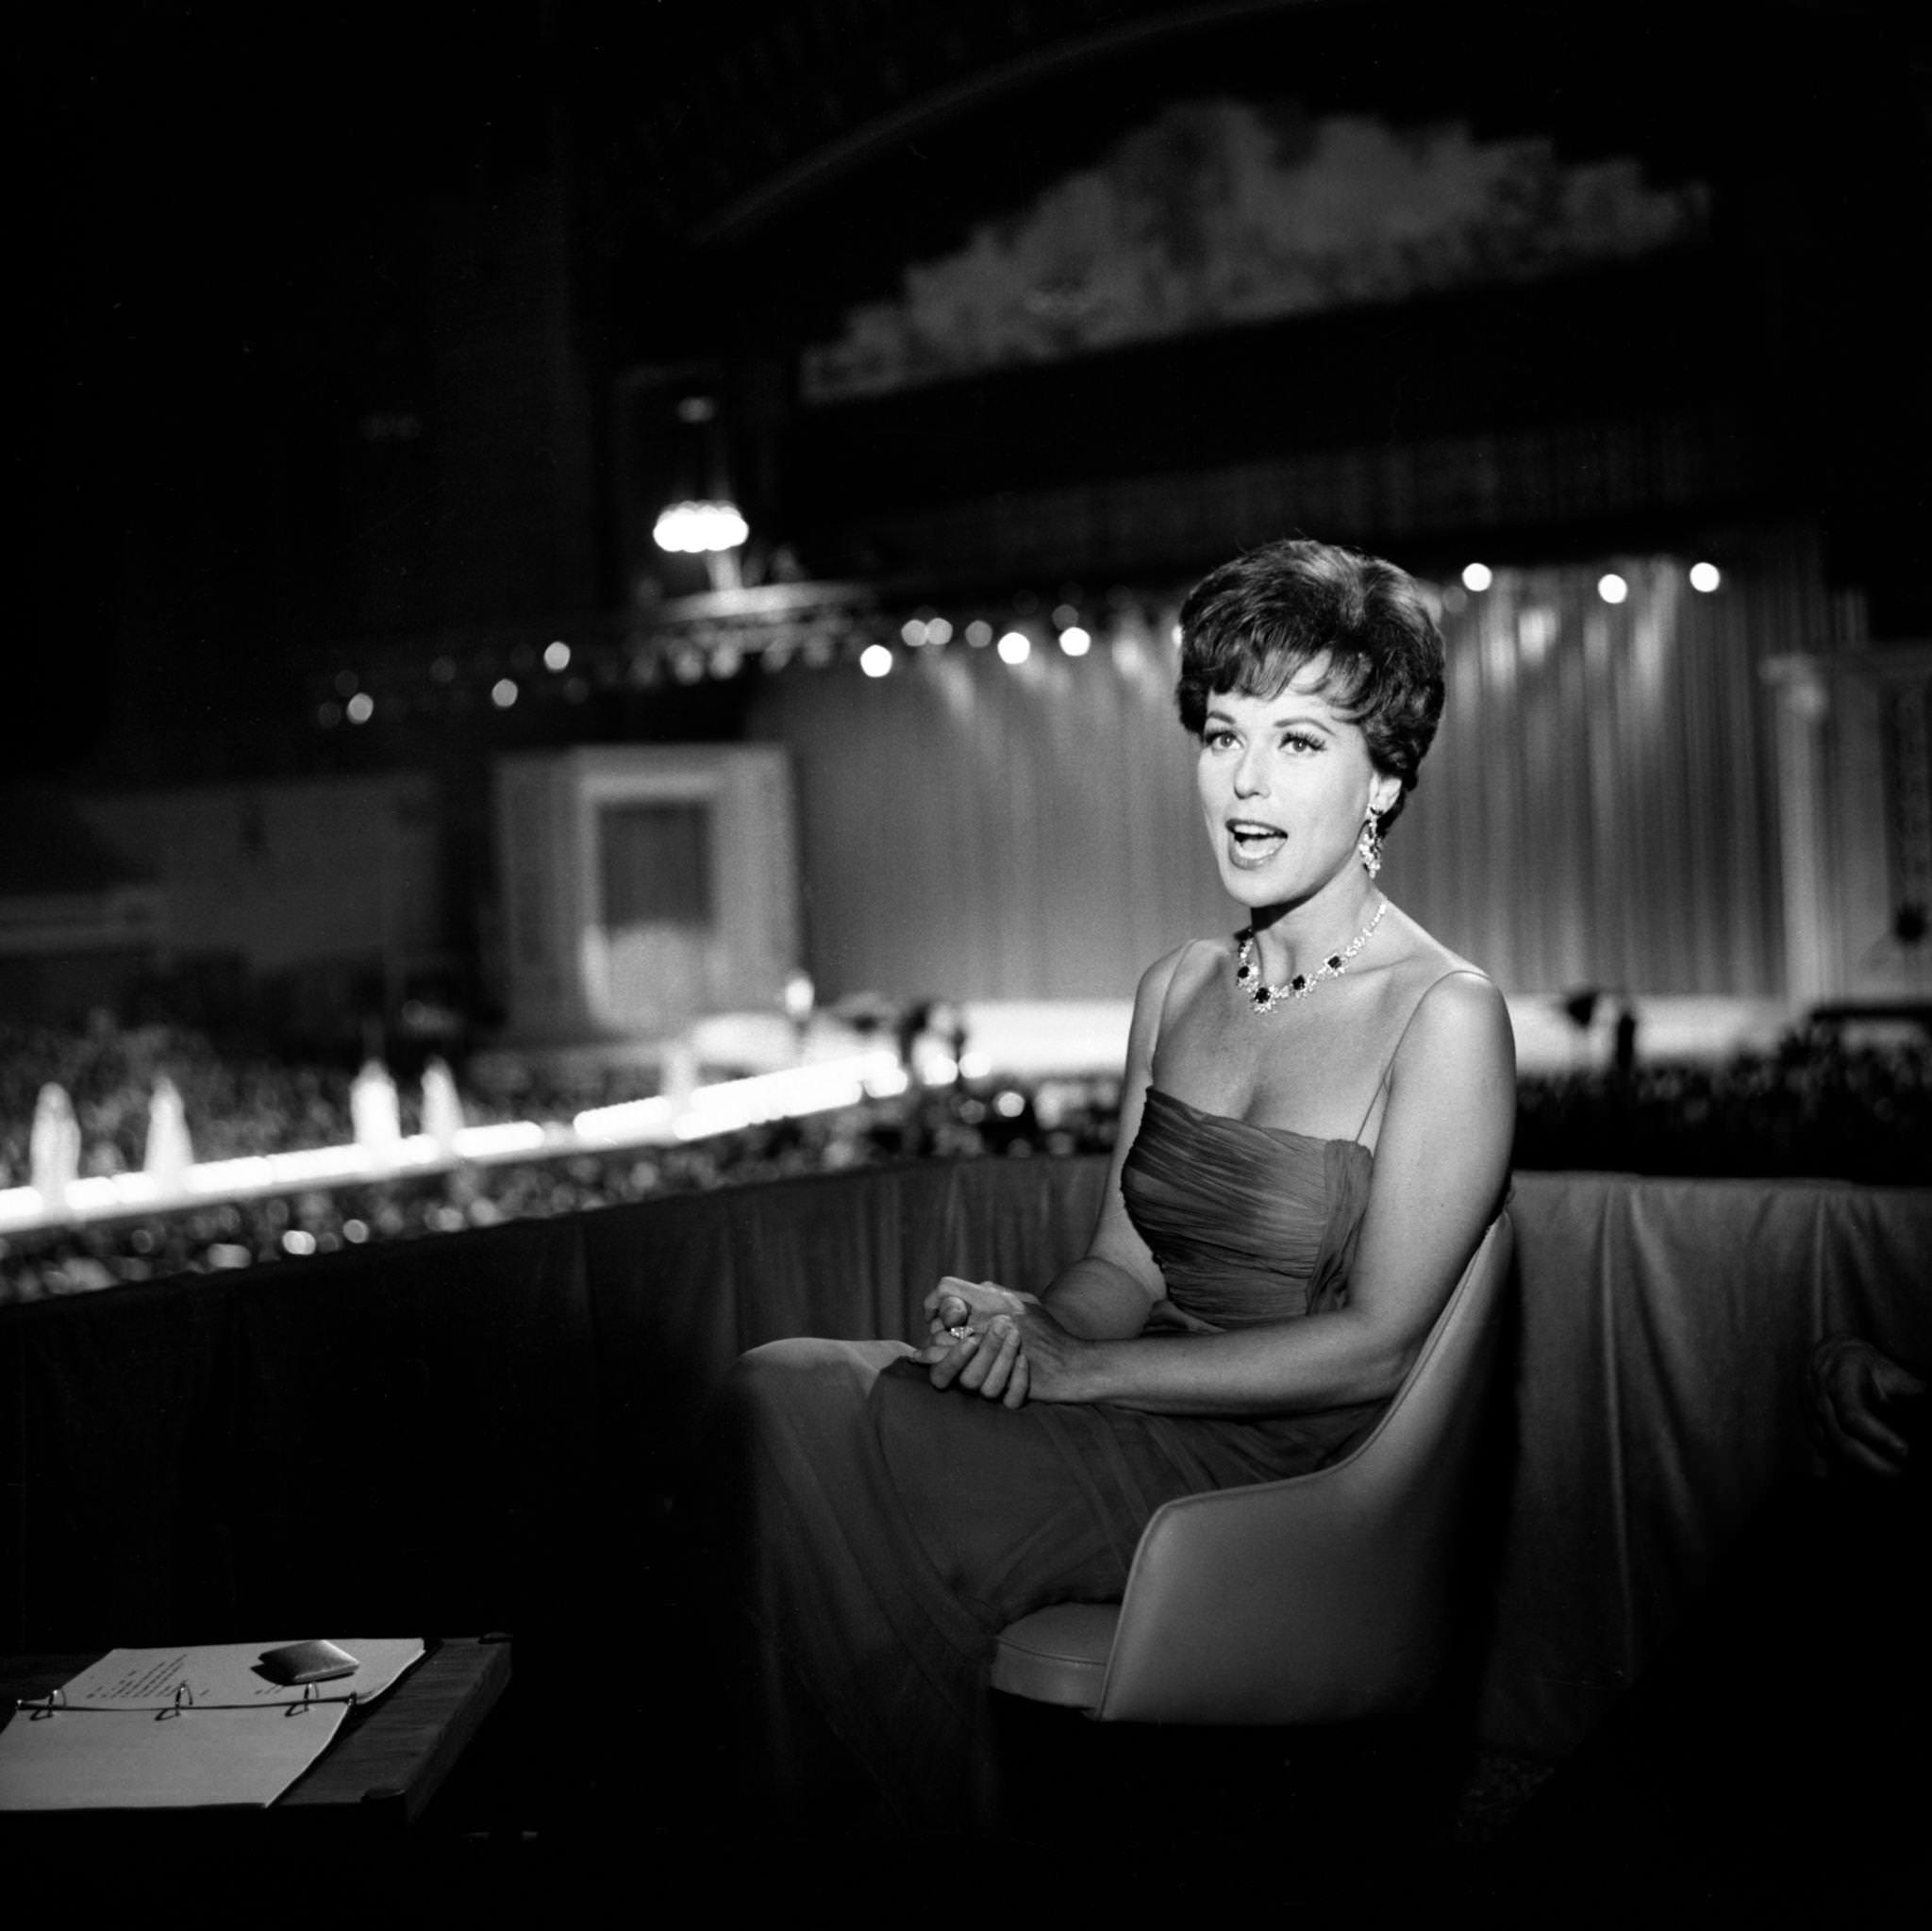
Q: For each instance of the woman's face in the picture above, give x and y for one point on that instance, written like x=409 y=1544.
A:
x=1285 y=784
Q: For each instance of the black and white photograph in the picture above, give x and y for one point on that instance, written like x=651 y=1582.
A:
x=996 y=933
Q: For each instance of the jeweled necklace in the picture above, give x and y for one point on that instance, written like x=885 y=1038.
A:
x=1247 y=975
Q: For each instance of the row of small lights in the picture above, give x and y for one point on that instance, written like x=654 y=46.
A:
x=1612 y=588
x=358 y=707
x=1011 y=646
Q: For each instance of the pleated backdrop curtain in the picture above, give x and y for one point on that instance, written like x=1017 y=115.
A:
x=1598 y=810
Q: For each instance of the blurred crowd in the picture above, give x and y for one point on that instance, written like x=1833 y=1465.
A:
x=1818 y=1106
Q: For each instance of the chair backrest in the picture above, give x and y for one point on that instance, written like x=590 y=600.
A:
x=1326 y=1597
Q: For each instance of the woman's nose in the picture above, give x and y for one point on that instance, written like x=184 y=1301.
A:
x=1250 y=775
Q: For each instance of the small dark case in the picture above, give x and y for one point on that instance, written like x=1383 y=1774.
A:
x=306 y=1662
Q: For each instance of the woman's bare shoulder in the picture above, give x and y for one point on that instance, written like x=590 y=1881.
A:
x=1423 y=958
x=1175 y=973
x=1440 y=989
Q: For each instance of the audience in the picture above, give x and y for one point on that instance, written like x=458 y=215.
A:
x=1818 y=1106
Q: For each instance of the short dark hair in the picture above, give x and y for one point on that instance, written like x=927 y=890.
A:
x=1251 y=626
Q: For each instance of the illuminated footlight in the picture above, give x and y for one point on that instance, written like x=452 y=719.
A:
x=1015 y=647
x=875 y=661
x=503 y=693
x=1075 y=641
x=1705 y=576
x=912 y=633
x=1611 y=587
x=979 y=633
x=556 y=656
x=1477 y=576
x=1065 y=616
x=298 y=1241
x=360 y=707
x=938 y=630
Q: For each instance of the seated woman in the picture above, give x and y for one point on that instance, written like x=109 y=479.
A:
x=1315 y=1131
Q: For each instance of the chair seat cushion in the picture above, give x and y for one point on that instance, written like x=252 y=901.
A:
x=1058 y=1655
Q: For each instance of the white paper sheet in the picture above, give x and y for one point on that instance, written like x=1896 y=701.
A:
x=98 y=1759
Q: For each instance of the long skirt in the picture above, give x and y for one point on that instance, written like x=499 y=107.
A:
x=880 y=1533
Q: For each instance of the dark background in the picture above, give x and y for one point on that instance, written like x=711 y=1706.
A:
x=328 y=313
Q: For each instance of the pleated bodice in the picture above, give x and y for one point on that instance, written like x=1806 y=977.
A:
x=1248 y=1222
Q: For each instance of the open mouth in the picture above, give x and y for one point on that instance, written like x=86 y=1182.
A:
x=1254 y=842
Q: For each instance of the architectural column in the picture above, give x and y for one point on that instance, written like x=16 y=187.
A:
x=1803 y=697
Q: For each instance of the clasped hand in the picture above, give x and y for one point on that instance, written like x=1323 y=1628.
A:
x=1010 y=1348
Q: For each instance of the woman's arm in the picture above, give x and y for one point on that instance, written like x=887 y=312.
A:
x=1112 y=1290
x=1441 y=1165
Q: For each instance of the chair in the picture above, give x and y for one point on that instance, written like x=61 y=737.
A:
x=1321 y=1599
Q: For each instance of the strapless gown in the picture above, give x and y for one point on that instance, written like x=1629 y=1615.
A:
x=883 y=1532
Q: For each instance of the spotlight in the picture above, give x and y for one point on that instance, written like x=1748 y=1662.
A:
x=1705 y=576
x=979 y=633
x=1075 y=641
x=1477 y=576
x=360 y=707
x=913 y=631
x=1015 y=647
x=875 y=659
x=1611 y=587
x=557 y=656
x=503 y=693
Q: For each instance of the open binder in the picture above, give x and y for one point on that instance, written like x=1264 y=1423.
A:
x=184 y=1727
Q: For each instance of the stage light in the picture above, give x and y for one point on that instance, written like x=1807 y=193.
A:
x=1075 y=641
x=979 y=633
x=1064 y=616
x=700 y=528
x=1015 y=647
x=1705 y=576
x=503 y=693
x=938 y=630
x=1477 y=576
x=913 y=631
x=360 y=707
x=556 y=656
x=875 y=661
x=1611 y=587
x=297 y=1240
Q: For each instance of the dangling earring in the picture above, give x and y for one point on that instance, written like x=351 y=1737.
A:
x=1370 y=844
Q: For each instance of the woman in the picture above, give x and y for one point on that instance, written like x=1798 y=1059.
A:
x=1315 y=1129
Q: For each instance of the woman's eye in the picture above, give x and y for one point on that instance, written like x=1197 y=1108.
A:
x=1219 y=740
x=1301 y=741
